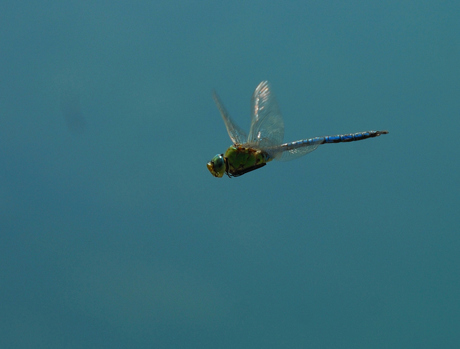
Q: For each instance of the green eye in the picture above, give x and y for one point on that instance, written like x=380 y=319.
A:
x=217 y=165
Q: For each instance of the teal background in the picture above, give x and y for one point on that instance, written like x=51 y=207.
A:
x=113 y=234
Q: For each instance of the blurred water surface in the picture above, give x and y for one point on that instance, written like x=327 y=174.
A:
x=114 y=234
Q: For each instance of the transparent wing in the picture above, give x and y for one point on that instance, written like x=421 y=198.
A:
x=283 y=154
x=237 y=135
x=267 y=126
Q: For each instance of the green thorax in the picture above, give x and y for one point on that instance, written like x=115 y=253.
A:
x=242 y=160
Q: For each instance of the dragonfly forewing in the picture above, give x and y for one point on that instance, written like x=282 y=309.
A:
x=236 y=133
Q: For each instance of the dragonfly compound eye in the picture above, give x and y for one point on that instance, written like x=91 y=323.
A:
x=217 y=165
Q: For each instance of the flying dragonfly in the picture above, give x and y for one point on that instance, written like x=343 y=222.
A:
x=265 y=140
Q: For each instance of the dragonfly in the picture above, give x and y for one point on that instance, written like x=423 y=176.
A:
x=264 y=142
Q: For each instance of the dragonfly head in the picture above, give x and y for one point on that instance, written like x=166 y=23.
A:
x=217 y=165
